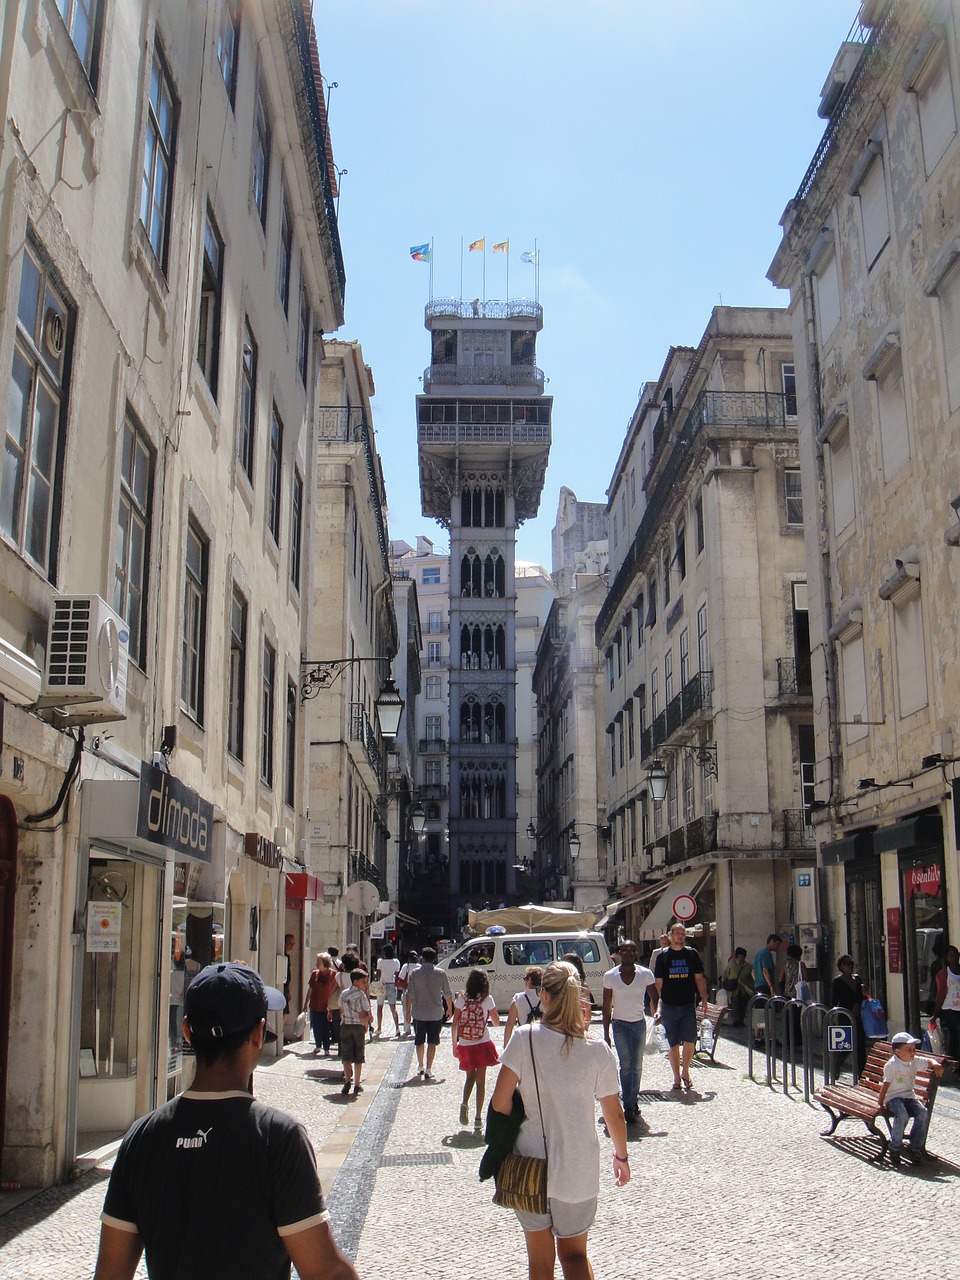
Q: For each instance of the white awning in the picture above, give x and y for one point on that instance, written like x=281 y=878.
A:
x=610 y=909
x=661 y=914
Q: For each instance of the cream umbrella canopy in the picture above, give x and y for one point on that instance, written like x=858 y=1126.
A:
x=531 y=919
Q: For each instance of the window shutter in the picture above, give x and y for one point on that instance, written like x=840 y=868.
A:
x=893 y=419
x=938 y=115
x=854 y=687
x=873 y=210
x=828 y=296
x=911 y=661
x=841 y=480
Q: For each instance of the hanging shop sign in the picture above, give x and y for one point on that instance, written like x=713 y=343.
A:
x=262 y=850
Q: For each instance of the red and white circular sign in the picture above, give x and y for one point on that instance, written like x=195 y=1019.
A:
x=684 y=907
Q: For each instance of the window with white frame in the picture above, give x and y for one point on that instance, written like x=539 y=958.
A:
x=684 y=657
x=275 y=475
x=303 y=342
x=892 y=413
x=827 y=295
x=628 y=640
x=296 y=528
x=247 y=400
x=83 y=20
x=673 y=800
x=936 y=106
x=31 y=492
x=793 y=495
x=631 y=731
x=654 y=694
x=159 y=151
x=689 y=803
x=228 y=46
x=433 y=688
x=703 y=643
x=788 y=382
x=134 y=516
x=842 y=497
x=268 y=675
x=285 y=252
x=237 y=674
x=196 y=586
x=260 y=158
x=435 y=622
x=948 y=293
x=434 y=653
x=431 y=576
x=854 y=686
x=871 y=189
x=668 y=677
x=211 y=303
x=621 y=743
x=433 y=772
x=911 y=654
x=433 y=728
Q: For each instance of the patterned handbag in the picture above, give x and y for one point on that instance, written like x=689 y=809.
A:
x=521 y=1181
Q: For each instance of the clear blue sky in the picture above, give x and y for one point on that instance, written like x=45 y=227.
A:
x=648 y=146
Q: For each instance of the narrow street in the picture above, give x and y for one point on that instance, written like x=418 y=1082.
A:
x=734 y=1179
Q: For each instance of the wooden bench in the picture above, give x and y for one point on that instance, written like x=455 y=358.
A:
x=716 y=1016
x=859 y=1102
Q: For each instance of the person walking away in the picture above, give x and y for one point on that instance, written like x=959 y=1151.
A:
x=625 y=988
x=731 y=980
x=525 y=1005
x=355 y=1017
x=388 y=967
x=430 y=998
x=586 y=1004
x=898 y=1093
x=561 y=1075
x=680 y=980
x=214 y=1182
x=403 y=987
x=320 y=987
x=947 y=1004
x=847 y=993
x=473 y=1047
x=765 y=975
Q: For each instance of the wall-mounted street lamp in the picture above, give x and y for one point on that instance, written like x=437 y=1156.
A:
x=602 y=829
x=317 y=674
x=531 y=831
x=658 y=778
x=418 y=819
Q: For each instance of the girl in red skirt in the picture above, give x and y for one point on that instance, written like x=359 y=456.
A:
x=473 y=1013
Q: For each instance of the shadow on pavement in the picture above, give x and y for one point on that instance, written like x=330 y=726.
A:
x=45 y=1203
x=463 y=1141
x=867 y=1150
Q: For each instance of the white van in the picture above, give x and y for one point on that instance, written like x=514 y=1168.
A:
x=504 y=956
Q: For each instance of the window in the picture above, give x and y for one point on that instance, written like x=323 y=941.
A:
x=875 y=217
x=651 y=601
x=262 y=144
x=433 y=773
x=854 y=681
x=275 y=470
x=156 y=193
x=892 y=412
x=680 y=555
x=841 y=479
x=703 y=643
x=827 y=291
x=620 y=741
x=689 y=811
x=628 y=639
x=684 y=657
x=794 y=495
x=296 y=527
x=935 y=102
x=631 y=732
x=211 y=303
x=430 y=576
x=698 y=518
x=434 y=653
x=237 y=674
x=228 y=46
x=611 y=671
x=668 y=677
x=435 y=622
x=433 y=688
x=788 y=380
x=82 y=20
x=654 y=694
x=133 y=535
x=633 y=486
x=195 y=588
x=948 y=292
x=303 y=345
x=285 y=254
x=433 y=727
x=911 y=656
x=267 y=707
x=247 y=408
x=613 y=751
x=666 y=577
x=640 y=604
x=290 y=745
x=36 y=416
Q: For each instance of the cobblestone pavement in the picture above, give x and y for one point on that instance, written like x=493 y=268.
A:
x=733 y=1179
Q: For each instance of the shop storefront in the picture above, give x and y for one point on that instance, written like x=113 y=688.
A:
x=132 y=944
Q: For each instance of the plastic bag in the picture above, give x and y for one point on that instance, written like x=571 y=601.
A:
x=706 y=1035
x=873 y=1018
x=723 y=998
x=933 y=1038
x=660 y=1038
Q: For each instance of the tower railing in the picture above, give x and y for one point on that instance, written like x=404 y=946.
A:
x=515 y=309
x=508 y=375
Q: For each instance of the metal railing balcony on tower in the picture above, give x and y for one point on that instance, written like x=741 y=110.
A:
x=515 y=309
x=455 y=375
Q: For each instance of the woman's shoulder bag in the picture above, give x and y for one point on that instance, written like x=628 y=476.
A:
x=522 y=1180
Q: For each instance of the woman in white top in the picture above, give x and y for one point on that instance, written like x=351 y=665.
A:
x=387 y=969
x=525 y=1005
x=561 y=1075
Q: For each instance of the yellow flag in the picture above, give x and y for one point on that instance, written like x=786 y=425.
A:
x=477 y=244
x=502 y=247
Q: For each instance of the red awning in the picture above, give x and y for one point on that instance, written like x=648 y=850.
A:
x=303 y=887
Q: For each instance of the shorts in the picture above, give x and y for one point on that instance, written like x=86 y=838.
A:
x=388 y=995
x=679 y=1023
x=427 y=1030
x=482 y=1053
x=352 y=1040
x=562 y=1218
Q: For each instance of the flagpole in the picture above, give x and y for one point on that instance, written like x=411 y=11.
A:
x=461 y=270
x=431 y=268
x=536 y=272
x=483 y=278
x=508 y=270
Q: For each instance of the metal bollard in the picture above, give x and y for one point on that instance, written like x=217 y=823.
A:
x=773 y=1019
x=754 y=1001
x=808 y=1018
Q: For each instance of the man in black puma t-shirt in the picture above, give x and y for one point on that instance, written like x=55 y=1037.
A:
x=215 y=1183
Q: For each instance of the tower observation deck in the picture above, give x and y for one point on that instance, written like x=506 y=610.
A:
x=483 y=437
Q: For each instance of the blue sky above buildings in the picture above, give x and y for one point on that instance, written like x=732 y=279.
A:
x=649 y=147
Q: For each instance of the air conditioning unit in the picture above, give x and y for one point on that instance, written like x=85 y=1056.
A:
x=86 y=663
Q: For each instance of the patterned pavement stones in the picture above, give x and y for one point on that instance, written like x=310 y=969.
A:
x=730 y=1182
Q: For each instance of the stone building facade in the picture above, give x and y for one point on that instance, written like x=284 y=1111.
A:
x=871 y=258
x=169 y=259
x=704 y=642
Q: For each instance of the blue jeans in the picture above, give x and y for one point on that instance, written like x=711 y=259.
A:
x=629 y=1038
x=902 y=1109
x=321 y=1026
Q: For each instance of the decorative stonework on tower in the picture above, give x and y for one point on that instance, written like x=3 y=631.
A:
x=483 y=434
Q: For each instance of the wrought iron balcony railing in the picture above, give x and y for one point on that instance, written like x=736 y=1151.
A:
x=433 y=746
x=515 y=309
x=695 y=696
x=798 y=831
x=794 y=677
x=361 y=730
x=361 y=868
x=455 y=375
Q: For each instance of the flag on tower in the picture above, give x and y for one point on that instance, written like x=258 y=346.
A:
x=477 y=244
x=532 y=256
x=420 y=252
x=502 y=247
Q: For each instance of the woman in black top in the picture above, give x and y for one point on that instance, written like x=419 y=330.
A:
x=847 y=993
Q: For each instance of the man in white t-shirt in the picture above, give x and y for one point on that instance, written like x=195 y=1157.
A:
x=624 y=990
x=388 y=966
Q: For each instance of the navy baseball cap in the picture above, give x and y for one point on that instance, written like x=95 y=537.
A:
x=229 y=997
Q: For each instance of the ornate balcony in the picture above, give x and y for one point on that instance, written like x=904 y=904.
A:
x=362 y=731
x=515 y=309
x=455 y=375
x=798 y=831
x=794 y=677
x=433 y=746
x=695 y=696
